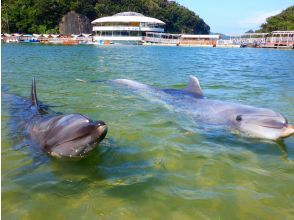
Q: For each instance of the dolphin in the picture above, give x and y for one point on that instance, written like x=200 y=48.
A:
x=66 y=136
x=242 y=119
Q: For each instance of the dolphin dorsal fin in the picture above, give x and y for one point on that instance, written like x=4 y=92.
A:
x=34 y=95
x=194 y=86
x=35 y=104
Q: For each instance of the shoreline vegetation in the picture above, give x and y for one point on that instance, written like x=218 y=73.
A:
x=47 y=17
x=280 y=22
x=44 y=16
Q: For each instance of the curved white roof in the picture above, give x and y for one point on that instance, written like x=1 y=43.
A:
x=126 y=17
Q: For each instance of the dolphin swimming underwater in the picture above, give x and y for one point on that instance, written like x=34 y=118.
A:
x=70 y=136
x=243 y=119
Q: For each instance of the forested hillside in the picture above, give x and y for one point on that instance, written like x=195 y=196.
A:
x=281 y=22
x=43 y=16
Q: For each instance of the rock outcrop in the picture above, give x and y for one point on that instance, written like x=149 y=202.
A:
x=74 y=23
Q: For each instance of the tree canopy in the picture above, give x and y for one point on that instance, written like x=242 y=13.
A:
x=281 y=22
x=43 y=16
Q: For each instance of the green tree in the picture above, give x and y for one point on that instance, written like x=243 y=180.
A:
x=43 y=16
x=281 y=22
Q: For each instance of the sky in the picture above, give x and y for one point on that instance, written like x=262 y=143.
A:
x=235 y=16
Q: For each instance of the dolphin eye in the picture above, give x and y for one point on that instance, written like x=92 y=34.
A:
x=239 y=118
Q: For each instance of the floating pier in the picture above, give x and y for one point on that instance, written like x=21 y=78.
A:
x=276 y=39
x=48 y=38
x=187 y=40
x=280 y=39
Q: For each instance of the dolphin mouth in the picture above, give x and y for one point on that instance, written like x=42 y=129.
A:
x=100 y=127
x=103 y=129
x=84 y=149
x=272 y=124
x=289 y=131
x=277 y=126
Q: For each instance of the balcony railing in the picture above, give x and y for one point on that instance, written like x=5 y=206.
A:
x=118 y=38
x=127 y=28
x=161 y=40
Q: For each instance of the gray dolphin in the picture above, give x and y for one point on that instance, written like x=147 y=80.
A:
x=246 y=120
x=70 y=136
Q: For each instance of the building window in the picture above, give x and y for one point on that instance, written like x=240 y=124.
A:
x=116 y=33
x=134 y=33
x=125 y=33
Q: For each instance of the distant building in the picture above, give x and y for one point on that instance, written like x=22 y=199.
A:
x=125 y=27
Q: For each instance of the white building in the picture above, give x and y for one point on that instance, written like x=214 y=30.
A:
x=125 y=27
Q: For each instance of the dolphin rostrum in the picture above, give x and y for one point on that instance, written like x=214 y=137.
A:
x=244 y=119
x=70 y=136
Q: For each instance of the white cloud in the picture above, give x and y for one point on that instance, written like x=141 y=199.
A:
x=258 y=18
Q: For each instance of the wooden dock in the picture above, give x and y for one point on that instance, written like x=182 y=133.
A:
x=280 y=39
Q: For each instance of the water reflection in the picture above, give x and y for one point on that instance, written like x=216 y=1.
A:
x=155 y=162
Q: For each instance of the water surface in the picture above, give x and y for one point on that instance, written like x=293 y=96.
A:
x=154 y=162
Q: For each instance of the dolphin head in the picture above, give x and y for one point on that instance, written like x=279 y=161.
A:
x=68 y=136
x=261 y=123
x=63 y=136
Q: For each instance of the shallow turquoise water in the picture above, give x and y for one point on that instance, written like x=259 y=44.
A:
x=154 y=162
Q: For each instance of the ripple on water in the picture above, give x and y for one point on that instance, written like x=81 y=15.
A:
x=154 y=162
